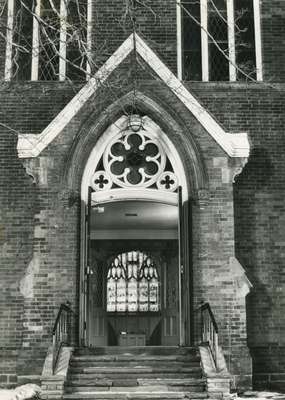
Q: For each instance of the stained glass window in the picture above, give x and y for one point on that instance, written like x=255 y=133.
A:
x=133 y=283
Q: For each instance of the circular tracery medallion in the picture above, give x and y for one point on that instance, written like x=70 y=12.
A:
x=134 y=160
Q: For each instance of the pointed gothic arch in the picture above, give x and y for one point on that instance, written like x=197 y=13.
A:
x=88 y=153
x=182 y=141
x=157 y=161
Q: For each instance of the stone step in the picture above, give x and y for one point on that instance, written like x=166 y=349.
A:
x=133 y=364
x=143 y=382
x=140 y=369
x=154 y=350
x=99 y=363
x=127 y=395
x=134 y=375
x=133 y=357
x=141 y=389
x=138 y=373
x=171 y=382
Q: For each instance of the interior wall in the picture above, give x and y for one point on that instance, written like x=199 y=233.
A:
x=164 y=252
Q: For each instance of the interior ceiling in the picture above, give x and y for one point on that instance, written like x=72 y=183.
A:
x=139 y=215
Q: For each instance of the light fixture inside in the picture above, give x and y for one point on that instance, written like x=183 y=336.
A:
x=135 y=122
x=99 y=209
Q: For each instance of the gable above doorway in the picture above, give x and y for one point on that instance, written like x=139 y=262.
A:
x=234 y=145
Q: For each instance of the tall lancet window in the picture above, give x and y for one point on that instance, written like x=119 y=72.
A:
x=47 y=40
x=133 y=283
x=221 y=40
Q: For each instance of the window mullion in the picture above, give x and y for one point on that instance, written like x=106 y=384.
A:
x=36 y=41
x=89 y=38
x=179 y=39
x=204 y=40
x=231 y=40
x=9 y=40
x=62 y=40
x=257 y=33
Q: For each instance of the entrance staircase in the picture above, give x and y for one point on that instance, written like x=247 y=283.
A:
x=135 y=373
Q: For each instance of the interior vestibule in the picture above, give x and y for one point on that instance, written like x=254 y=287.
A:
x=133 y=277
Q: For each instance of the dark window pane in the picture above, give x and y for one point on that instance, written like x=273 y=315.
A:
x=218 y=40
x=76 y=39
x=245 y=43
x=191 y=40
x=49 y=40
x=23 y=39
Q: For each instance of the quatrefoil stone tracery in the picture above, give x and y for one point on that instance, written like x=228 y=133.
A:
x=101 y=181
x=134 y=160
x=167 y=181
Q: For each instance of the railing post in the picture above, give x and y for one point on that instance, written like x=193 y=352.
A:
x=202 y=326
x=64 y=338
x=216 y=345
x=69 y=327
x=61 y=332
x=208 y=330
x=53 y=351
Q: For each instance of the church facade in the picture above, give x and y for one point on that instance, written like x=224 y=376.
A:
x=142 y=178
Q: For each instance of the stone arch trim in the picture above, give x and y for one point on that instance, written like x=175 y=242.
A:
x=91 y=140
x=126 y=191
x=30 y=145
x=181 y=140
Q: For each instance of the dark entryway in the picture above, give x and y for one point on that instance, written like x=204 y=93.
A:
x=133 y=278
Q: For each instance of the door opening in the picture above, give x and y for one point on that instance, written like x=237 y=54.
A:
x=133 y=278
x=133 y=229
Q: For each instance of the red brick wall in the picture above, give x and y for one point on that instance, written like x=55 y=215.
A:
x=259 y=214
x=155 y=21
x=273 y=33
x=42 y=219
x=2 y=41
x=24 y=109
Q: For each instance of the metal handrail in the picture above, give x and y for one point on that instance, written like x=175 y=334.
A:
x=61 y=333
x=208 y=330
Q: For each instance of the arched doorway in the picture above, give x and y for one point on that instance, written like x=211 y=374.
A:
x=133 y=266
